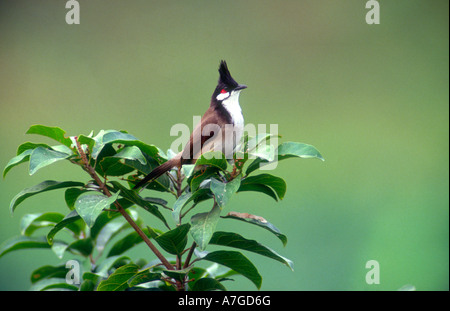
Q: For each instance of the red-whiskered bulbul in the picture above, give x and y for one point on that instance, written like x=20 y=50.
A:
x=220 y=128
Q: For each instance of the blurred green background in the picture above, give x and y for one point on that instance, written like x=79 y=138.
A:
x=372 y=98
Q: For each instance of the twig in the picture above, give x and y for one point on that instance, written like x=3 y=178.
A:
x=178 y=264
x=179 y=181
x=110 y=210
x=165 y=206
x=188 y=258
x=187 y=211
x=171 y=177
x=155 y=180
x=119 y=207
x=185 y=187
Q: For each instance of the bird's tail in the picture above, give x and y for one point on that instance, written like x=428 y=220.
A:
x=158 y=171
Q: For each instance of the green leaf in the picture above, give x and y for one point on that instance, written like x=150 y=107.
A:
x=195 y=274
x=266 y=153
x=132 y=196
x=154 y=233
x=198 y=274
x=300 y=150
x=131 y=153
x=32 y=222
x=212 y=158
x=259 y=221
x=29 y=145
x=53 y=283
x=118 y=281
x=144 y=169
x=21 y=158
x=89 y=205
x=41 y=157
x=108 y=231
x=42 y=187
x=203 y=226
x=198 y=196
x=106 y=152
x=259 y=188
x=158 y=201
x=71 y=195
x=198 y=177
x=86 y=140
x=277 y=184
x=179 y=204
x=69 y=222
x=110 y=263
x=111 y=166
x=224 y=191
x=123 y=162
x=256 y=141
x=207 y=284
x=259 y=149
x=130 y=140
x=127 y=242
x=83 y=247
x=59 y=248
x=256 y=164
x=90 y=276
x=62 y=149
x=87 y=286
x=24 y=151
x=224 y=275
x=235 y=240
x=105 y=218
x=237 y=262
x=174 y=241
x=22 y=242
x=178 y=275
x=161 y=183
x=144 y=277
x=285 y=151
x=109 y=137
x=52 y=132
x=188 y=170
x=46 y=272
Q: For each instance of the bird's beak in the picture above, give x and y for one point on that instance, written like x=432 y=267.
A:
x=240 y=87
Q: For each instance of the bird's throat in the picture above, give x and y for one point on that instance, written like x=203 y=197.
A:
x=231 y=104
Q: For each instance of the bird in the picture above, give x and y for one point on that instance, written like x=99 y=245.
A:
x=220 y=128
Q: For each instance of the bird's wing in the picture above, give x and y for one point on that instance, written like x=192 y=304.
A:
x=206 y=136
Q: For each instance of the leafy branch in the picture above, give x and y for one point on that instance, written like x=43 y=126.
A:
x=115 y=161
x=119 y=207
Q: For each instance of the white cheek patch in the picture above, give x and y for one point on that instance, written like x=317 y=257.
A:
x=222 y=96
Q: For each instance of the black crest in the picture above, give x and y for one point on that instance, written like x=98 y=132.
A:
x=225 y=77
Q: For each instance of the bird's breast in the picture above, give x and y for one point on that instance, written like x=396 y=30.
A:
x=235 y=111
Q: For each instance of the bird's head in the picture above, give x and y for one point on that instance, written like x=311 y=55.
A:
x=226 y=87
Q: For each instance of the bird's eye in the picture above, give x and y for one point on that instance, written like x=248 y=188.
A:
x=223 y=91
